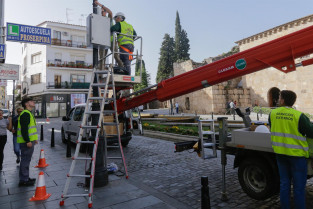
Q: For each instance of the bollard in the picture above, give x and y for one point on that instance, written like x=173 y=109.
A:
x=52 y=138
x=41 y=133
x=205 y=193
x=68 y=147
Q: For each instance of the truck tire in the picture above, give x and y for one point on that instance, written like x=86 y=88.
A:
x=257 y=178
x=124 y=143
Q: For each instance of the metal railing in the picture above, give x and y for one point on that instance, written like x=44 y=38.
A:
x=68 y=43
x=53 y=63
x=67 y=85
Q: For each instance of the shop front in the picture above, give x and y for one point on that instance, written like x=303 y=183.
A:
x=56 y=105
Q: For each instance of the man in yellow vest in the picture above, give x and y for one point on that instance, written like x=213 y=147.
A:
x=125 y=40
x=289 y=129
x=27 y=137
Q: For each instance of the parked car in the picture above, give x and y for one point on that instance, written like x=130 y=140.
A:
x=6 y=113
x=71 y=126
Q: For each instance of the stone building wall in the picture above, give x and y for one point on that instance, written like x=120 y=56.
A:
x=299 y=81
x=210 y=99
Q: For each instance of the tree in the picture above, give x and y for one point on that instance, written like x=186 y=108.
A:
x=145 y=77
x=182 y=45
x=165 y=67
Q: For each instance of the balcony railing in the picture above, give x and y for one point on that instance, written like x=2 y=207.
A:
x=68 y=43
x=53 y=63
x=67 y=85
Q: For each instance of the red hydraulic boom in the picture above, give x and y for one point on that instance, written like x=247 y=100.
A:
x=279 y=53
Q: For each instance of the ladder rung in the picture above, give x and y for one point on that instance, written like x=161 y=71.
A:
x=208 y=145
x=108 y=111
x=75 y=195
x=91 y=127
x=209 y=120
x=111 y=135
x=79 y=175
x=113 y=146
x=114 y=158
x=100 y=85
x=95 y=98
x=93 y=112
x=82 y=158
x=109 y=99
x=86 y=142
x=207 y=132
x=109 y=124
x=101 y=72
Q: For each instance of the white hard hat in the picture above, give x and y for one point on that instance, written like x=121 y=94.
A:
x=120 y=14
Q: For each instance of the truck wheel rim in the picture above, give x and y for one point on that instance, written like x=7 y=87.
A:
x=255 y=178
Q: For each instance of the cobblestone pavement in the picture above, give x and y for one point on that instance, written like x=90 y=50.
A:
x=158 y=179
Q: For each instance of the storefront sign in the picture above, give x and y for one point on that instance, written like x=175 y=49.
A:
x=56 y=98
x=77 y=99
x=28 y=34
x=9 y=72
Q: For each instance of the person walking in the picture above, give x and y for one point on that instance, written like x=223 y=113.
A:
x=27 y=137
x=177 y=107
x=289 y=129
x=5 y=124
x=232 y=107
x=16 y=146
x=125 y=39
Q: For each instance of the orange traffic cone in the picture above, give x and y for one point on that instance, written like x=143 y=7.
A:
x=42 y=160
x=48 y=120
x=40 y=193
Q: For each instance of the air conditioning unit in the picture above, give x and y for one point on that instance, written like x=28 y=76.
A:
x=64 y=33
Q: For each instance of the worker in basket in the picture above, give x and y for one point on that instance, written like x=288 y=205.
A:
x=125 y=40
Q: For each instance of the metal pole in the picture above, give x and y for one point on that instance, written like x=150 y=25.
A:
x=52 y=138
x=68 y=146
x=13 y=102
x=41 y=133
x=2 y=34
x=222 y=140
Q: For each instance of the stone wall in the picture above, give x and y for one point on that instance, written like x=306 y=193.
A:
x=210 y=99
x=299 y=81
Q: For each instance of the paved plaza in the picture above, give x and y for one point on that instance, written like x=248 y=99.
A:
x=159 y=178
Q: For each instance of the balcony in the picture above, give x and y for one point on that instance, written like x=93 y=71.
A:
x=53 y=63
x=68 y=43
x=67 y=85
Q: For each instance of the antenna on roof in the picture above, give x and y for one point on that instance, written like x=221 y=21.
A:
x=82 y=18
x=68 y=15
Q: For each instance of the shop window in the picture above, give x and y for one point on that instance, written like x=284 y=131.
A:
x=77 y=79
x=35 y=79
x=36 y=58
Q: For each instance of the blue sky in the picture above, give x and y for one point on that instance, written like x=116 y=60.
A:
x=212 y=25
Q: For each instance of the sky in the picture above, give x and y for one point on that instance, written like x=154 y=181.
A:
x=213 y=26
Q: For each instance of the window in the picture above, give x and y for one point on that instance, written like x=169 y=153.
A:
x=57 y=81
x=77 y=79
x=36 y=58
x=79 y=112
x=35 y=78
x=57 y=34
x=58 y=58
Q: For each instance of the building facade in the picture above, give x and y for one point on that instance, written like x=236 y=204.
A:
x=57 y=76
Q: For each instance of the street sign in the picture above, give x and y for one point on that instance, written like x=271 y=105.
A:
x=28 y=34
x=9 y=72
x=2 y=51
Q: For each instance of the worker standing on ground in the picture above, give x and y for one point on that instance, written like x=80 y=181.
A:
x=125 y=39
x=27 y=137
x=289 y=129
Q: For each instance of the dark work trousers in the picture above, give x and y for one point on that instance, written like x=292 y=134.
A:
x=125 y=57
x=3 y=141
x=26 y=156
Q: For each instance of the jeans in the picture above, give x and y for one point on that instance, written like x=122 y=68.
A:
x=3 y=141
x=16 y=147
x=26 y=156
x=292 y=169
x=125 y=57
